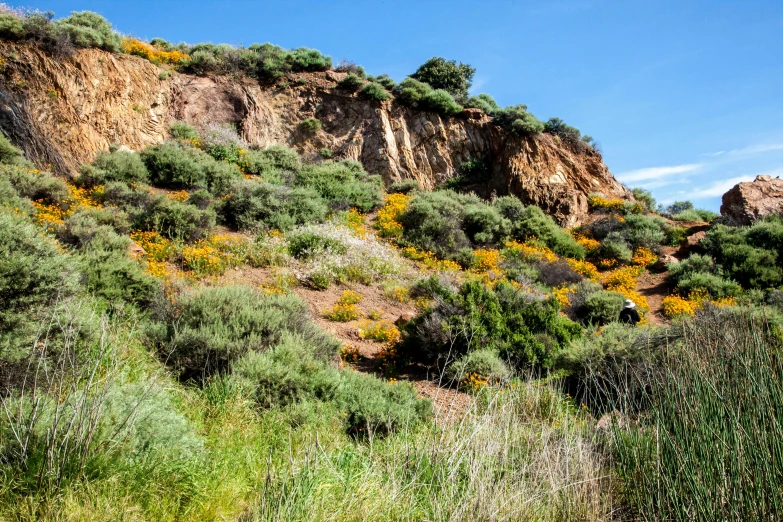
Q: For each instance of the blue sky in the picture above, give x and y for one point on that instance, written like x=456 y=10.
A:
x=685 y=97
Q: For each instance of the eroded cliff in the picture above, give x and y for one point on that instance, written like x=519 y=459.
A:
x=63 y=110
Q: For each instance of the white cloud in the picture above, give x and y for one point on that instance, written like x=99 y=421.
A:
x=757 y=149
x=719 y=187
x=656 y=172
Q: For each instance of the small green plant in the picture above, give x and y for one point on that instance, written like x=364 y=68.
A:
x=375 y=91
x=325 y=153
x=448 y=75
x=310 y=125
x=351 y=83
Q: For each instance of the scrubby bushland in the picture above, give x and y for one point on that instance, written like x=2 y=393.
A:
x=563 y=131
x=266 y=62
x=291 y=372
x=748 y=255
x=386 y=81
x=644 y=197
x=522 y=328
x=446 y=223
x=34 y=275
x=80 y=29
x=257 y=205
x=176 y=220
x=444 y=74
x=403 y=187
x=344 y=184
x=219 y=325
x=518 y=120
x=175 y=165
x=117 y=165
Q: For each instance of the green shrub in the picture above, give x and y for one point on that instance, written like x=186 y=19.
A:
x=560 y=129
x=470 y=174
x=403 y=187
x=180 y=130
x=592 y=354
x=305 y=244
x=9 y=154
x=11 y=26
x=375 y=91
x=603 y=307
x=644 y=231
x=290 y=372
x=518 y=120
x=440 y=101
x=33 y=274
x=614 y=246
x=36 y=186
x=645 y=198
x=325 y=153
x=485 y=102
x=175 y=165
x=675 y=235
x=344 y=184
x=176 y=220
x=714 y=285
x=520 y=327
x=694 y=214
x=256 y=205
x=310 y=125
x=88 y=29
x=433 y=222
x=217 y=326
x=411 y=91
x=751 y=266
x=484 y=363
x=387 y=82
x=444 y=74
x=120 y=165
x=351 y=83
x=534 y=223
x=274 y=164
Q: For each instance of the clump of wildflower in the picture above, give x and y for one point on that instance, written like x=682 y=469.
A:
x=675 y=306
x=156 y=247
x=342 y=313
x=152 y=53
x=486 y=259
x=530 y=249
x=350 y=353
x=474 y=382
x=354 y=220
x=607 y=262
x=386 y=360
x=589 y=244
x=561 y=294
x=381 y=331
x=397 y=293
x=584 y=268
x=643 y=256
x=181 y=195
x=428 y=260
x=387 y=222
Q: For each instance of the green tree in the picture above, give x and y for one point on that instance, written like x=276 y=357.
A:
x=448 y=75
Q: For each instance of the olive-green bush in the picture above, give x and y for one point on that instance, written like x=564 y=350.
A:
x=344 y=184
x=257 y=205
x=523 y=329
x=217 y=326
x=516 y=119
x=175 y=165
x=448 y=75
x=375 y=91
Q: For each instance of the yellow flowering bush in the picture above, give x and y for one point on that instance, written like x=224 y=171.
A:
x=152 y=53
x=584 y=268
x=397 y=293
x=486 y=260
x=674 y=306
x=387 y=222
x=597 y=202
x=386 y=359
x=342 y=313
x=624 y=277
x=473 y=382
x=350 y=353
x=350 y=297
x=282 y=284
x=52 y=216
x=157 y=247
x=382 y=331
x=643 y=256
x=561 y=294
x=355 y=221
x=589 y=244
x=203 y=259
x=428 y=260
x=181 y=195
x=530 y=249
x=607 y=263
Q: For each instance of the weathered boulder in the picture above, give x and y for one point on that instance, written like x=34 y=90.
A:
x=750 y=201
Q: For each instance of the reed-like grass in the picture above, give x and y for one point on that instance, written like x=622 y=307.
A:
x=709 y=443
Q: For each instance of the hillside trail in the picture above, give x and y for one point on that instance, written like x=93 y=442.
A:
x=654 y=285
x=449 y=404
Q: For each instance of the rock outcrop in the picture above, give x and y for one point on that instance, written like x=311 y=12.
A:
x=750 y=201
x=64 y=110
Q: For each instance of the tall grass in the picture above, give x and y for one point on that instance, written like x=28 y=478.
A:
x=519 y=453
x=709 y=443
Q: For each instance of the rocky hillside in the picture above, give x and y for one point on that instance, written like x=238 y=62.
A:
x=63 y=110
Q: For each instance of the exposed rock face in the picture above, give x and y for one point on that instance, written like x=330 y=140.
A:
x=752 y=200
x=62 y=111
